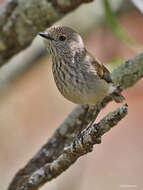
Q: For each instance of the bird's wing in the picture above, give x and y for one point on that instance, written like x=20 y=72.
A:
x=101 y=70
x=103 y=73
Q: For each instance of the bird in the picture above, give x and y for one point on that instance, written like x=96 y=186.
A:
x=80 y=78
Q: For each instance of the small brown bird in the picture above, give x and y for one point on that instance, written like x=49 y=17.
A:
x=79 y=77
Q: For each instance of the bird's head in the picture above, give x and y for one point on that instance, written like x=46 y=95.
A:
x=62 y=41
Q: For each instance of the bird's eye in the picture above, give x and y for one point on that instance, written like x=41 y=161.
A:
x=62 y=38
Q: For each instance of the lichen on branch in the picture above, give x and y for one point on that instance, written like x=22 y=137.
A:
x=126 y=75
x=83 y=145
x=21 y=20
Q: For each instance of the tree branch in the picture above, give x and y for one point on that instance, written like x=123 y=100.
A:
x=126 y=75
x=21 y=20
x=89 y=137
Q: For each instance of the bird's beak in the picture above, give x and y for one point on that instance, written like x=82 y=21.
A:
x=47 y=36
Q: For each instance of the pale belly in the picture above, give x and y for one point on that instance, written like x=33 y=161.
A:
x=85 y=94
x=79 y=85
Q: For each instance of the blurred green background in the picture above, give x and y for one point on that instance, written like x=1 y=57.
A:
x=30 y=104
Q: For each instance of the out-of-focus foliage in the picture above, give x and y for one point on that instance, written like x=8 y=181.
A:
x=114 y=63
x=117 y=29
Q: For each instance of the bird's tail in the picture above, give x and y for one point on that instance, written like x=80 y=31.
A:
x=115 y=93
x=117 y=96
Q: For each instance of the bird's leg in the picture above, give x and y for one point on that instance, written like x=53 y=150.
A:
x=83 y=120
x=98 y=140
x=95 y=116
x=81 y=126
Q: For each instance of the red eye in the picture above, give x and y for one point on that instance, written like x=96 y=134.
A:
x=62 y=38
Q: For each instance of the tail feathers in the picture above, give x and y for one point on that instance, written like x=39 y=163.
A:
x=117 y=96
x=115 y=93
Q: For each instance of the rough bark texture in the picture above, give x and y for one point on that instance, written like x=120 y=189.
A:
x=125 y=76
x=21 y=20
x=83 y=145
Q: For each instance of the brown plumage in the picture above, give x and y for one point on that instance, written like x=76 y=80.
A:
x=79 y=77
